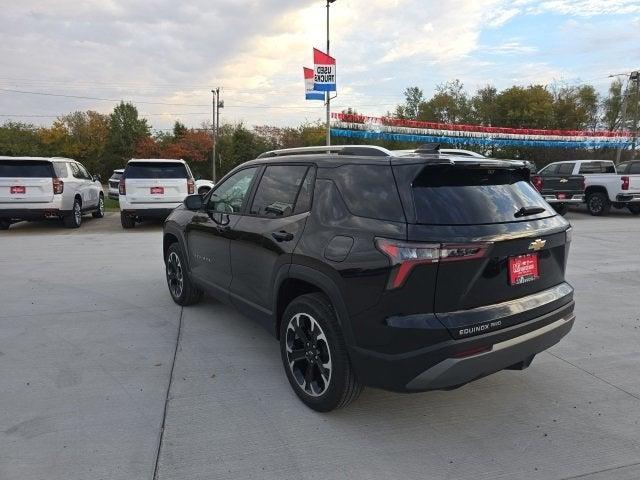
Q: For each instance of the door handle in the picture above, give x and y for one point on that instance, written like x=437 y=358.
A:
x=282 y=236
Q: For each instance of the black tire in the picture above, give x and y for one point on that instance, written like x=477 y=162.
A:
x=74 y=220
x=5 y=224
x=329 y=388
x=561 y=208
x=99 y=213
x=182 y=290
x=634 y=209
x=127 y=221
x=598 y=204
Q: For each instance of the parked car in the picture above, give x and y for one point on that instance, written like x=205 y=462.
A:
x=114 y=182
x=403 y=272
x=35 y=188
x=601 y=184
x=152 y=188
x=559 y=186
x=204 y=186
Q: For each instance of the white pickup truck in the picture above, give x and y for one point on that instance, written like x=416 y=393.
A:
x=605 y=185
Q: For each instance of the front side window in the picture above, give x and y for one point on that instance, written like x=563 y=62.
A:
x=276 y=195
x=229 y=197
x=84 y=172
x=75 y=170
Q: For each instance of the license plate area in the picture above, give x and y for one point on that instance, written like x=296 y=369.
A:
x=157 y=190
x=561 y=196
x=523 y=269
x=18 y=190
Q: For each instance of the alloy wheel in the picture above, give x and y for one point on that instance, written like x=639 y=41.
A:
x=596 y=204
x=77 y=213
x=101 y=205
x=308 y=354
x=175 y=275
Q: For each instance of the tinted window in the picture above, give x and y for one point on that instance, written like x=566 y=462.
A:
x=26 y=169
x=75 y=171
x=278 y=189
x=230 y=195
x=369 y=191
x=634 y=168
x=60 y=169
x=83 y=172
x=597 y=167
x=155 y=170
x=549 y=170
x=566 y=168
x=623 y=168
x=303 y=204
x=448 y=195
x=115 y=176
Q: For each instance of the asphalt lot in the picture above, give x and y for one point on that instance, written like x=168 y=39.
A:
x=88 y=379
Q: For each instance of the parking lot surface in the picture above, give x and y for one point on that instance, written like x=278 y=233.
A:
x=102 y=376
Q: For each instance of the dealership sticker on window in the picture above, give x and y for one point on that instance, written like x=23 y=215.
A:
x=523 y=269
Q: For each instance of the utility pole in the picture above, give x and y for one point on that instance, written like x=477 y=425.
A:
x=329 y=2
x=214 y=133
x=635 y=76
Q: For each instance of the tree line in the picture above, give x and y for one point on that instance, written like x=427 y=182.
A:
x=105 y=142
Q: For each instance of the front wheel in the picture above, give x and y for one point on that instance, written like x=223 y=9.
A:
x=314 y=354
x=99 y=213
x=598 y=204
x=182 y=290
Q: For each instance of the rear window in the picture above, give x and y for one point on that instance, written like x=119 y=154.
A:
x=116 y=176
x=566 y=168
x=26 y=169
x=155 y=170
x=452 y=195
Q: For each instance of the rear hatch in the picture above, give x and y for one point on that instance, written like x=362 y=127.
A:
x=25 y=181
x=114 y=181
x=499 y=240
x=156 y=182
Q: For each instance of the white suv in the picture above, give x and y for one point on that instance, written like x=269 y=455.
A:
x=152 y=188
x=34 y=188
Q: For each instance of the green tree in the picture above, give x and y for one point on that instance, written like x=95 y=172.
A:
x=126 y=129
x=20 y=139
x=449 y=104
x=612 y=106
x=483 y=106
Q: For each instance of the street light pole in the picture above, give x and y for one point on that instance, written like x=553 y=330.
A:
x=213 y=134
x=329 y=2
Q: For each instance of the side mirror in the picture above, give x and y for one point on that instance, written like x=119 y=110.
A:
x=96 y=178
x=193 y=202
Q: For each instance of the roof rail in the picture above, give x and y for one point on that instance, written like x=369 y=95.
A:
x=364 y=150
x=428 y=148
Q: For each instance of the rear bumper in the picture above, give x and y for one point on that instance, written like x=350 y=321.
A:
x=628 y=198
x=159 y=213
x=452 y=362
x=574 y=200
x=33 y=211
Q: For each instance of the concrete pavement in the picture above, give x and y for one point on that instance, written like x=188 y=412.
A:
x=87 y=352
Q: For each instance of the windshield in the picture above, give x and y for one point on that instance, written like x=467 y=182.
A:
x=156 y=170
x=449 y=195
x=25 y=169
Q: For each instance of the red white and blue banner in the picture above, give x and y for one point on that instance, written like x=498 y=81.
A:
x=387 y=128
x=310 y=92
x=324 y=67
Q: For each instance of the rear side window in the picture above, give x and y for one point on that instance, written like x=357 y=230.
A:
x=61 y=169
x=597 y=167
x=370 y=191
x=26 y=169
x=634 y=168
x=566 y=168
x=278 y=189
x=549 y=170
x=451 y=195
x=156 y=170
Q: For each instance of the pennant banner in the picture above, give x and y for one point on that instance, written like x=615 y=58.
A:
x=324 y=68
x=310 y=92
x=388 y=121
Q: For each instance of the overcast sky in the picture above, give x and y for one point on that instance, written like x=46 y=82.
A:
x=174 y=52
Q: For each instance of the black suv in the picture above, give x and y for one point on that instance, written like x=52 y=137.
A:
x=410 y=272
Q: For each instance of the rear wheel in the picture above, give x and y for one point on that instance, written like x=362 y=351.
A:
x=314 y=354
x=182 y=290
x=598 y=204
x=634 y=209
x=74 y=220
x=5 y=224
x=127 y=221
x=99 y=213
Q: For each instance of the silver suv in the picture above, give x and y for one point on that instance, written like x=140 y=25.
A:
x=34 y=188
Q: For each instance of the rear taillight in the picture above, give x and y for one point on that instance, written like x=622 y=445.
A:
x=625 y=183
x=406 y=255
x=191 y=186
x=122 y=187
x=58 y=185
x=537 y=182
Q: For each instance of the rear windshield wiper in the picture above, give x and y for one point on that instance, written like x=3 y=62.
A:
x=525 y=211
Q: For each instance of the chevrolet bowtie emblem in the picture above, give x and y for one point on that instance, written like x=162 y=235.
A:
x=563 y=180
x=537 y=244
